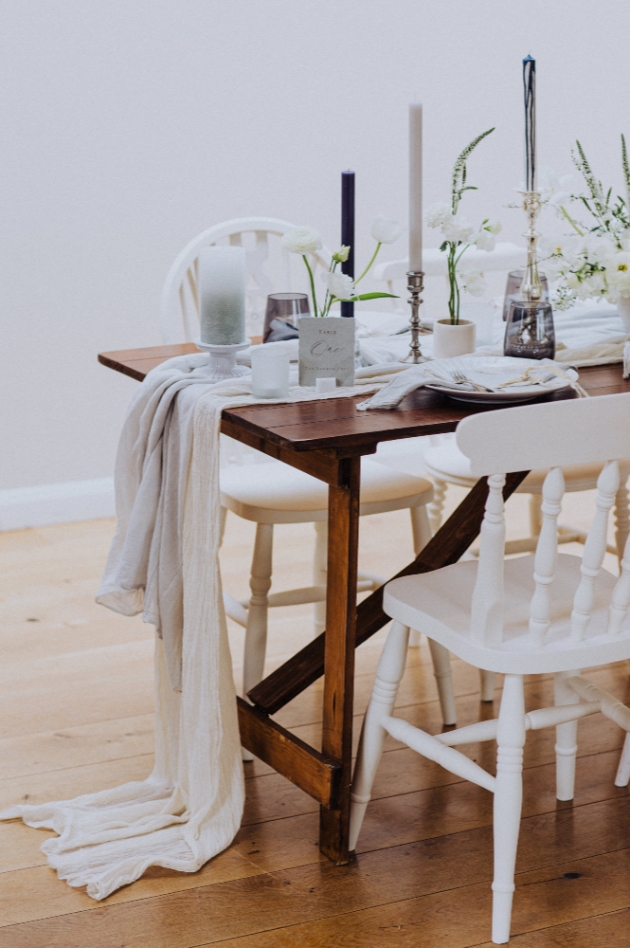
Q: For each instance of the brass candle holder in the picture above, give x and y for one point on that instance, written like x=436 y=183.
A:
x=415 y=285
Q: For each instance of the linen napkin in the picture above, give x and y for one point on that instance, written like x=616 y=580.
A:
x=440 y=371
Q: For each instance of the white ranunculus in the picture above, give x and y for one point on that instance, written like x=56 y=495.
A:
x=495 y=227
x=474 y=283
x=302 y=240
x=618 y=273
x=484 y=240
x=339 y=285
x=437 y=214
x=385 y=230
x=457 y=229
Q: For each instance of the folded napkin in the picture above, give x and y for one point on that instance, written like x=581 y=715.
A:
x=497 y=373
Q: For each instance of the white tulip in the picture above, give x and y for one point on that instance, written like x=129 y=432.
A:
x=385 y=230
x=339 y=285
x=302 y=240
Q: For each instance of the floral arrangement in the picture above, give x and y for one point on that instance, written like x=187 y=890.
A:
x=594 y=260
x=339 y=286
x=459 y=234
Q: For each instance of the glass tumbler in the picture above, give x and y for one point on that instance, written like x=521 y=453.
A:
x=282 y=314
x=529 y=330
x=513 y=285
x=270 y=371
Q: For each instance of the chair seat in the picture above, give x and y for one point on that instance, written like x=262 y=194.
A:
x=446 y=462
x=439 y=604
x=273 y=492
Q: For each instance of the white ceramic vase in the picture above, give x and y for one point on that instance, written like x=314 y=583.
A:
x=623 y=308
x=453 y=339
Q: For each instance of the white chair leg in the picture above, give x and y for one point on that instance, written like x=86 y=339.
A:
x=441 y=659
x=420 y=527
x=390 y=670
x=535 y=514
x=623 y=771
x=320 y=565
x=508 y=798
x=487 y=680
x=256 y=629
x=222 y=519
x=436 y=507
x=566 y=739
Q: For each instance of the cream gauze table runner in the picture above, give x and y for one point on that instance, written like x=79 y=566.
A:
x=164 y=561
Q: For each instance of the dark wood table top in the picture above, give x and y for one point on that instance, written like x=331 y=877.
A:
x=335 y=424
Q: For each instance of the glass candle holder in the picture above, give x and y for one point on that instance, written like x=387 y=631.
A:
x=282 y=314
x=270 y=371
x=513 y=285
x=529 y=330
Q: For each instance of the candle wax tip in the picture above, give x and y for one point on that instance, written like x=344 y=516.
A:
x=529 y=59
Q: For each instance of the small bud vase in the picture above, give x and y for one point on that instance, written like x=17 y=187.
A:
x=453 y=339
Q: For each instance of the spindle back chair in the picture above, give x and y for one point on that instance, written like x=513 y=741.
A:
x=532 y=614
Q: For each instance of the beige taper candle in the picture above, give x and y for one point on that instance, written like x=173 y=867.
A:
x=415 y=186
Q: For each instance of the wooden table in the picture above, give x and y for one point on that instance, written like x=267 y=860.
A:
x=327 y=439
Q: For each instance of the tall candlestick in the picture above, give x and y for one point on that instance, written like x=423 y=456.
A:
x=222 y=295
x=415 y=186
x=347 y=230
x=529 y=88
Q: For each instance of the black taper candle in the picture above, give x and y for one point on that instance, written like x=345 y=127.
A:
x=529 y=89
x=347 y=230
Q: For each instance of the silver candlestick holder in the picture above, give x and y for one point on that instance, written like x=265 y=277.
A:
x=529 y=330
x=415 y=285
x=222 y=362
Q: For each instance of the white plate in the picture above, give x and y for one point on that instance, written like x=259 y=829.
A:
x=491 y=371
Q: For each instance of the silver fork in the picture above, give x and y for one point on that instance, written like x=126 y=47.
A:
x=461 y=379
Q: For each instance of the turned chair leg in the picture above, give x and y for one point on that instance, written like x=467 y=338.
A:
x=441 y=659
x=390 y=670
x=421 y=533
x=566 y=738
x=508 y=798
x=256 y=629
x=487 y=682
x=623 y=771
x=320 y=565
x=436 y=507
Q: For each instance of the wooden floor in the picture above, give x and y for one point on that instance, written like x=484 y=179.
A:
x=76 y=716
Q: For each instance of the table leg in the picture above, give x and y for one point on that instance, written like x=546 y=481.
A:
x=341 y=611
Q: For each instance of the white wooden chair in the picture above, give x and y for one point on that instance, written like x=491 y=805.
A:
x=532 y=614
x=270 y=492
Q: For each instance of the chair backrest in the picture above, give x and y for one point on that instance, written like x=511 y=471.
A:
x=505 y=257
x=261 y=238
x=552 y=435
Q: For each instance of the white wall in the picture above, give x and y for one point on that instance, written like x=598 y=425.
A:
x=130 y=125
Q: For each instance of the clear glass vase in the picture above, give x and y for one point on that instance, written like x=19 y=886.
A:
x=529 y=330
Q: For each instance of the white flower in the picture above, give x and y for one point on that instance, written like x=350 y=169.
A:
x=457 y=229
x=339 y=285
x=437 y=214
x=618 y=272
x=484 y=240
x=474 y=283
x=385 y=230
x=495 y=227
x=342 y=254
x=302 y=240
x=555 y=189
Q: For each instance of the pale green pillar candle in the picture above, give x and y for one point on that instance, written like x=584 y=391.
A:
x=222 y=295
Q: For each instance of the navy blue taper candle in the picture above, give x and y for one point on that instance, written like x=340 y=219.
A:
x=347 y=230
x=529 y=88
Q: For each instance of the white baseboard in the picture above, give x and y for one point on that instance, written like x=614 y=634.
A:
x=69 y=502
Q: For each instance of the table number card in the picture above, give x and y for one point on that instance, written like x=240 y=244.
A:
x=326 y=349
